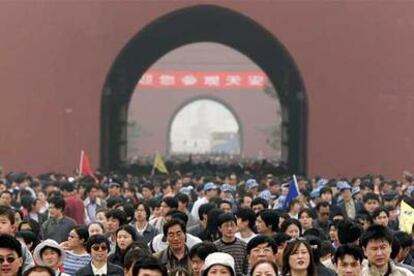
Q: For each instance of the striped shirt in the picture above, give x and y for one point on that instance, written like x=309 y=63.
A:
x=73 y=262
x=237 y=249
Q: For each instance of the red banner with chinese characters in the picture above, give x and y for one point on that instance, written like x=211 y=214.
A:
x=203 y=80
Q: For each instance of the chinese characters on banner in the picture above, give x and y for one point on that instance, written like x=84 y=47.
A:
x=203 y=80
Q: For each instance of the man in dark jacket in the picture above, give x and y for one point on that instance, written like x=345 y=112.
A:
x=98 y=247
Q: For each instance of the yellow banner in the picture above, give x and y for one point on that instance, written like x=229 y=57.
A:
x=406 y=217
x=159 y=164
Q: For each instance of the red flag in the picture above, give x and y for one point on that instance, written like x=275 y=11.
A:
x=85 y=167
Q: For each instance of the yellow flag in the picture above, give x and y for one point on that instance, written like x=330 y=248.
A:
x=159 y=164
x=406 y=217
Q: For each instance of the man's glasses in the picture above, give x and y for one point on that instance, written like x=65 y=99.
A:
x=96 y=247
x=9 y=260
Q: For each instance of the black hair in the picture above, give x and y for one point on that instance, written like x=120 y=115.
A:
x=146 y=207
x=259 y=200
x=139 y=245
x=223 y=201
x=293 y=202
x=370 y=196
x=82 y=232
x=27 y=202
x=10 y=242
x=307 y=211
x=272 y=264
x=204 y=209
x=112 y=201
x=7 y=192
x=183 y=198
x=404 y=238
x=363 y=215
x=89 y=187
x=171 y=223
x=118 y=256
x=51 y=248
x=97 y=239
x=348 y=231
x=132 y=256
x=177 y=215
x=378 y=211
x=338 y=213
x=322 y=204
x=58 y=202
x=226 y=217
x=28 y=237
x=39 y=268
x=202 y=250
x=376 y=232
x=98 y=223
x=149 y=186
x=151 y=263
x=34 y=226
x=281 y=238
x=290 y=249
x=290 y=221
x=326 y=248
x=247 y=214
x=211 y=232
x=258 y=240
x=8 y=213
x=117 y=214
x=395 y=248
x=317 y=232
x=270 y=218
x=315 y=244
x=67 y=186
x=348 y=249
x=171 y=202
x=325 y=189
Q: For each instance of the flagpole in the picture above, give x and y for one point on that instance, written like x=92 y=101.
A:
x=296 y=182
x=80 y=164
x=153 y=166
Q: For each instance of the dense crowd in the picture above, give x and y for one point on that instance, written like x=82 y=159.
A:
x=237 y=221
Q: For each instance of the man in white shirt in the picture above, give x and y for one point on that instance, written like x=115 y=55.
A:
x=246 y=220
x=210 y=190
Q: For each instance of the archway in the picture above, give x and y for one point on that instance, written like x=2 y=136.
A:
x=193 y=131
x=203 y=23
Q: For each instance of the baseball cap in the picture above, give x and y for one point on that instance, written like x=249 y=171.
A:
x=209 y=186
x=251 y=183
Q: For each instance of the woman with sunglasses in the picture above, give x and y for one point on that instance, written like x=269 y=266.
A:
x=98 y=247
x=298 y=259
x=125 y=236
x=75 y=250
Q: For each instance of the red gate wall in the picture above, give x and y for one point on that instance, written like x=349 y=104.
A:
x=355 y=58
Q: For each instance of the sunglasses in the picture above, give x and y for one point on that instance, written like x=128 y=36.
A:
x=9 y=260
x=96 y=247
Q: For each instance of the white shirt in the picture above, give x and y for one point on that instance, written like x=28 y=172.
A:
x=100 y=271
x=157 y=244
x=246 y=240
x=196 y=206
x=141 y=231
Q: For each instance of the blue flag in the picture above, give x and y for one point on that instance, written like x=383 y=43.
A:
x=292 y=193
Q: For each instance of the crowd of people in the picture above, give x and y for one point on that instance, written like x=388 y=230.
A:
x=203 y=225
